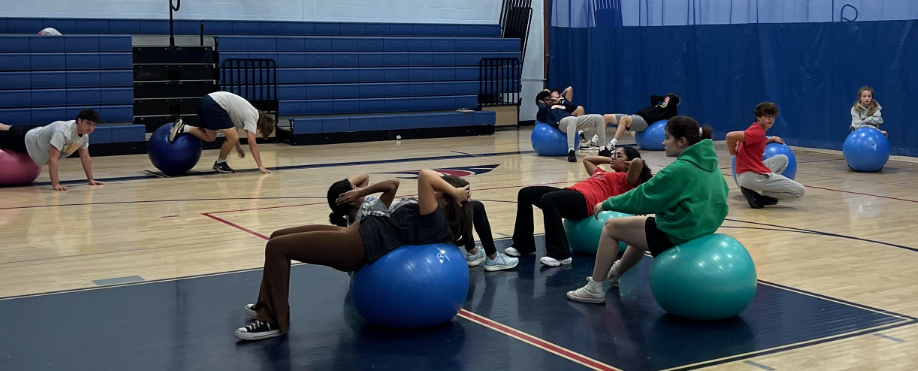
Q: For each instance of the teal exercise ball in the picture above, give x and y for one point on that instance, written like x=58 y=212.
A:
x=583 y=235
x=709 y=278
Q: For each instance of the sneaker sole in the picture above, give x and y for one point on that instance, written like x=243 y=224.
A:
x=612 y=284
x=475 y=263
x=250 y=313
x=560 y=263
x=494 y=268
x=586 y=300
x=257 y=336
x=221 y=171
x=173 y=132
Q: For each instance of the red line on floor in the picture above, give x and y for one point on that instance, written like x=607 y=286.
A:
x=537 y=342
x=239 y=227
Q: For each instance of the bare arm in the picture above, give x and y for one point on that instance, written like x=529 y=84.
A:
x=430 y=182
x=253 y=147
x=568 y=93
x=733 y=138
x=591 y=163
x=360 y=180
x=87 y=167
x=635 y=168
x=52 y=169
x=387 y=187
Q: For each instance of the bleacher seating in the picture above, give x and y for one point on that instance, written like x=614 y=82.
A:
x=31 y=26
x=45 y=79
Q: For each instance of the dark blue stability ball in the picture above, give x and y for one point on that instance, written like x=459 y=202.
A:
x=412 y=287
x=174 y=158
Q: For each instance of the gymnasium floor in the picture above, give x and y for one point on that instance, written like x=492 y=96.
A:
x=151 y=273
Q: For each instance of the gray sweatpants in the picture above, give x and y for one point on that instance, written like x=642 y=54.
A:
x=571 y=125
x=772 y=184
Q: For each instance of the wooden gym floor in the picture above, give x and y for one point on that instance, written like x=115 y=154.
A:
x=149 y=272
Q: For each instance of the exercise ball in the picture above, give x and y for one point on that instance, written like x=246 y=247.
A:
x=652 y=138
x=866 y=149
x=708 y=278
x=17 y=168
x=174 y=158
x=412 y=287
x=548 y=140
x=772 y=150
x=583 y=235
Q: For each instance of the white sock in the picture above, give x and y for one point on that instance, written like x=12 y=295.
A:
x=185 y=129
x=219 y=161
x=595 y=285
x=612 y=143
x=570 y=150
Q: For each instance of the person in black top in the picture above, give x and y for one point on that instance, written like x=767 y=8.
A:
x=661 y=108
x=559 y=114
x=439 y=214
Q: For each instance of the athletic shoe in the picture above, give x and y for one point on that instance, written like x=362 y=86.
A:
x=571 y=155
x=589 y=293
x=752 y=198
x=500 y=263
x=614 y=277
x=552 y=262
x=223 y=167
x=474 y=260
x=512 y=251
x=258 y=330
x=176 y=130
x=250 y=311
x=605 y=152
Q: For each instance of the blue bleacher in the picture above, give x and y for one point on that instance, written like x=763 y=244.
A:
x=51 y=78
x=425 y=120
x=31 y=26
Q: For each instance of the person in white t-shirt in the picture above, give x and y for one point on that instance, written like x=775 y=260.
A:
x=224 y=112
x=50 y=143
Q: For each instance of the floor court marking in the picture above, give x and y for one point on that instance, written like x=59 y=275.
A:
x=759 y=365
x=887 y=337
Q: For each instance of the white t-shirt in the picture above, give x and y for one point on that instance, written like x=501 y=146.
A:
x=243 y=113
x=60 y=134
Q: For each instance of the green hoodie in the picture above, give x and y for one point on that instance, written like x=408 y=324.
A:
x=689 y=197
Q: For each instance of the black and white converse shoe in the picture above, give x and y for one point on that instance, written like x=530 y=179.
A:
x=571 y=155
x=223 y=167
x=258 y=330
x=177 y=128
x=250 y=311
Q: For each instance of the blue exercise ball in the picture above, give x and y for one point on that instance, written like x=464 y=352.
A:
x=174 y=158
x=412 y=287
x=772 y=150
x=708 y=278
x=866 y=149
x=548 y=140
x=652 y=138
x=583 y=235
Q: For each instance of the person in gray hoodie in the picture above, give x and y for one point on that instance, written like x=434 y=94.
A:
x=866 y=112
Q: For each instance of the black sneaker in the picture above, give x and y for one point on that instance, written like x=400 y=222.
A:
x=752 y=198
x=223 y=167
x=605 y=152
x=571 y=156
x=768 y=201
x=258 y=330
x=176 y=129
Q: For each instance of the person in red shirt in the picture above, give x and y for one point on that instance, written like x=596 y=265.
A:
x=761 y=181
x=574 y=203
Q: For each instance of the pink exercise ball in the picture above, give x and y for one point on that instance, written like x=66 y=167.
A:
x=17 y=168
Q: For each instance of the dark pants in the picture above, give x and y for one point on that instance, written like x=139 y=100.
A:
x=14 y=139
x=483 y=227
x=556 y=204
x=337 y=247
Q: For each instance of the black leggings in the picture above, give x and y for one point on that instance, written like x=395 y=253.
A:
x=556 y=204
x=14 y=139
x=483 y=227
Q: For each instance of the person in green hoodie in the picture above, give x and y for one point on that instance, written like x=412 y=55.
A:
x=688 y=197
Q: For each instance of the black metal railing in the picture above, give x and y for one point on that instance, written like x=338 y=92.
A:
x=252 y=79
x=515 y=17
x=499 y=82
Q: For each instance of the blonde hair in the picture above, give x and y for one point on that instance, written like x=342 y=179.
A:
x=266 y=123
x=872 y=108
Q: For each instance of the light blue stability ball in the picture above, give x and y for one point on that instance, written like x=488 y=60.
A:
x=583 y=235
x=708 y=278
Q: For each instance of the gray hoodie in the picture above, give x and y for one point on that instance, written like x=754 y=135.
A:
x=860 y=119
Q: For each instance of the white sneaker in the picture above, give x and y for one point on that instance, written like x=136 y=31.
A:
x=500 y=263
x=511 y=251
x=591 y=293
x=594 y=142
x=613 y=275
x=176 y=129
x=552 y=262
x=474 y=260
x=250 y=311
x=613 y=143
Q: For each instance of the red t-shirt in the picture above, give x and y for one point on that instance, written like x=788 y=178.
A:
x=749 y=153
x=601 y=186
